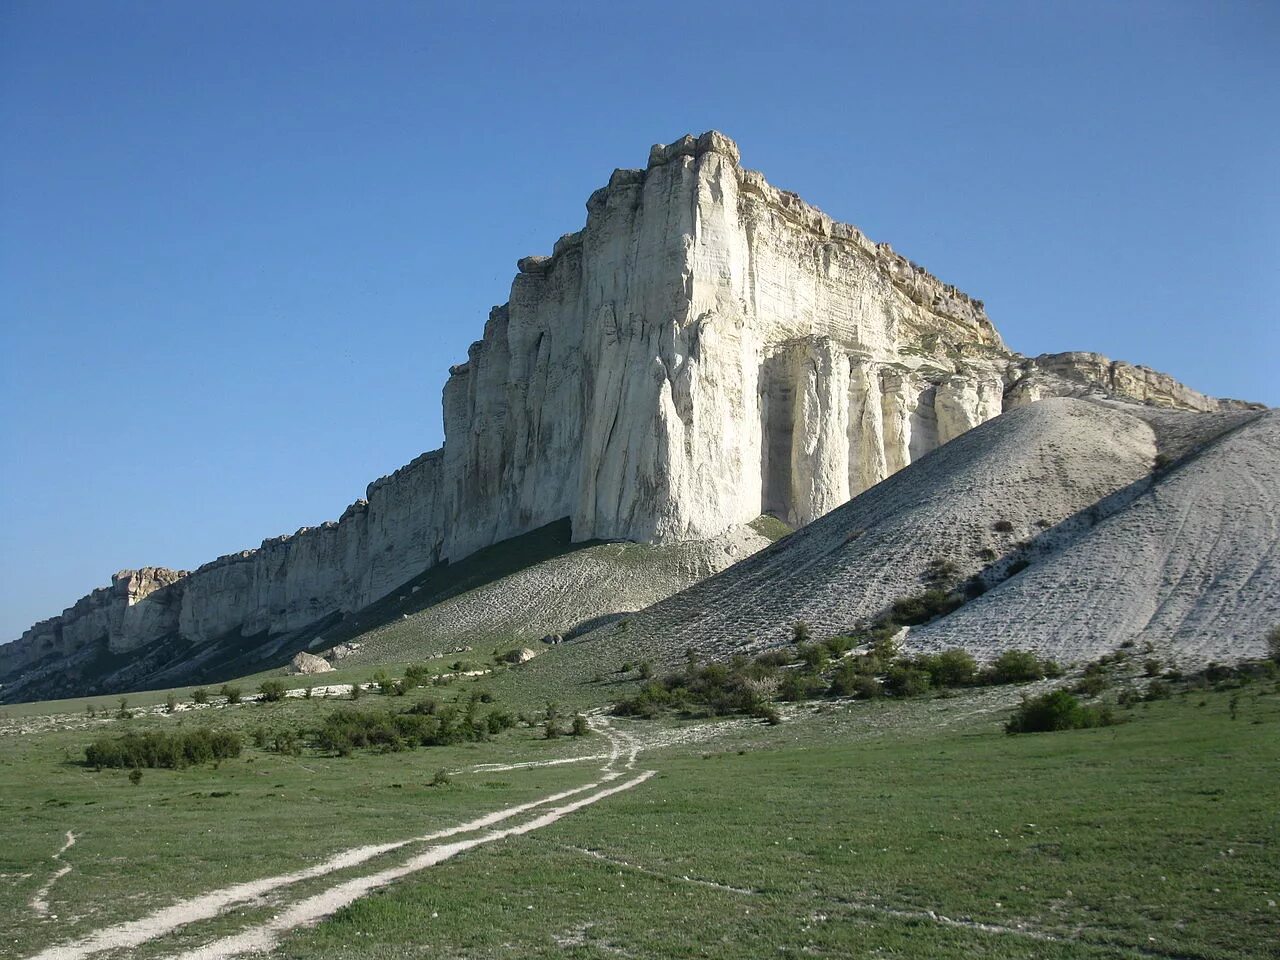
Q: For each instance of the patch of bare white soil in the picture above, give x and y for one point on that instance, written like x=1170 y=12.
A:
x=40 y=902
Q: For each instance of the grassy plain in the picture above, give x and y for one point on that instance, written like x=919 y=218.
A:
x=913 y=828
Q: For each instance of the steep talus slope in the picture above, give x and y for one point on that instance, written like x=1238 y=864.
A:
x=1031 y=468
x=1191 y=566
x=589 y=585
x=1038 y=482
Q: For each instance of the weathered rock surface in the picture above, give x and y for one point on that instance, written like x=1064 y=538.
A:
x=706 y=349
x=307 y=663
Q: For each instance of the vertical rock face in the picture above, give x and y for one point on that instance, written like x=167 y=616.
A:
x=706 y=349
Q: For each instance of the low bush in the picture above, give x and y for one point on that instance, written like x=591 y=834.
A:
x=163 y=749
x=1091 y=684
x=232 y=694
x=425 y=724
x=1056 y=710
x=1021 y=666
x=273 y=691
x=950 y=668
x=904 y=680
x=417 y=675
x=849 y=682
x=933 y=603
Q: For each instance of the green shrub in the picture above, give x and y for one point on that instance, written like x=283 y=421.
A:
x=1158 y=690
x=769 y=714
x=838 y=646
x=124 y=713
x=1273 y=644
x=417 y=674
x=1018 y=666
x=812 y=655
x=580 y=726
x=940 y=571
x=795 y=686
x=933 y=603
x=135 y=776
x=357 y=690
x=646 y=669
x=163 y=749
x=441 y=779
x=903 y=680
x=273 y=691
x=849 y=682
x=349 y=729
x=287 y=742
x=232 y=694
x=1056 y=710
x=800 y=632
x=950 y=668
x=1091 y=684
x=1003 y=526
x=171 y=702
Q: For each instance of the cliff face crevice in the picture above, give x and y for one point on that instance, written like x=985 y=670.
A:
x=706 y=349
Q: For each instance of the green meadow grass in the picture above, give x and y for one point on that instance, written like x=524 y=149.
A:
x=846 y=831
x=1154 y=838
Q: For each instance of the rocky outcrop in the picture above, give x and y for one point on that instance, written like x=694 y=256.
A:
x=706 y=349
x=306 y=663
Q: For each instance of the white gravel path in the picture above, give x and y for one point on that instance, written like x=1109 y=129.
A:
x=624 y=750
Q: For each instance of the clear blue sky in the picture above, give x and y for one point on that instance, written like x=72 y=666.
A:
x=240 y=243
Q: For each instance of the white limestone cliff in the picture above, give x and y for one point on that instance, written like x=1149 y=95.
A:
x=706 y=349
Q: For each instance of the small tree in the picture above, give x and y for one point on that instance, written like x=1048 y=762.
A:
x=231 y=693
x=135 y=776
x=800 y=632
x=124 y=713
x=171 y=702
x=200 y=695
x=646 y=669
x=580 y=726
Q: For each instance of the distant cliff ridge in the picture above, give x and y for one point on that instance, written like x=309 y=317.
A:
x=706 y=349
